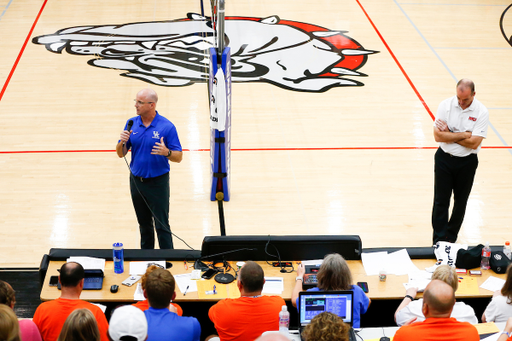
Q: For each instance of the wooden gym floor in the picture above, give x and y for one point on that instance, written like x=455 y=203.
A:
x=348 y=160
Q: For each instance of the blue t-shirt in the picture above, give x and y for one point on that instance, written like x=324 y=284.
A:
x=142 y=140
x=164 y=326
x=361 y=303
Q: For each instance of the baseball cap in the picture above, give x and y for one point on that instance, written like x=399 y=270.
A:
x=128 y=321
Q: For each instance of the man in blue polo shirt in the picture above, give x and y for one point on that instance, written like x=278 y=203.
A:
x=154 y=142
x=164 y=325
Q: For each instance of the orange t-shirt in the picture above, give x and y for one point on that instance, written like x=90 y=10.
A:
x=438 y=329
x=50 y=317
x=144 y=305
x=246 y=318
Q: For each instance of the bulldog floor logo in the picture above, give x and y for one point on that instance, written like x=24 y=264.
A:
x=292 y=55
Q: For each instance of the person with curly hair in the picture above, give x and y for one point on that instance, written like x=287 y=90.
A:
x=326 y=327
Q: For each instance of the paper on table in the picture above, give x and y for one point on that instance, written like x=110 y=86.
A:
x=493 y=283
x=138 y=295
x=468 y=286
x=101 y=306
x=139 y=268
x=419 y=279
x=374 y=262
x=400 y=263
x=273 y=285
x=89 y=263
x=396 y=263
x=487 y=328
x=184 y=281
x=312 y=262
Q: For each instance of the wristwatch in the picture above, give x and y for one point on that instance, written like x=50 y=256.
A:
x=506 y=333
x=298 y=278
x=169 y=154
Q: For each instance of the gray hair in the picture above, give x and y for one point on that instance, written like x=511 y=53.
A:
x=334 y=273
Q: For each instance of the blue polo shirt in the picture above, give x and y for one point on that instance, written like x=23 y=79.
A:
x=164 y=326
x=141 y=142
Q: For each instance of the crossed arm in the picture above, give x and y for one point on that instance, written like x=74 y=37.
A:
x=465 y=139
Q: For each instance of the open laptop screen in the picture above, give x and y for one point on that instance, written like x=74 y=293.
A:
x=312 y=303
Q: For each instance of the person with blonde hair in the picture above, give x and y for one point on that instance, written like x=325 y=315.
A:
x=80 y=325
x=9 y=328
x=326 y=327
x=412 y=309
x=500 y=307
x=334 y=274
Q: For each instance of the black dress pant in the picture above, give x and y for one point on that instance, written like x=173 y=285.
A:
x=150 y=199
x=452 y=175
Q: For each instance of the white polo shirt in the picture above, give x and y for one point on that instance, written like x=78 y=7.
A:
x=475 y=119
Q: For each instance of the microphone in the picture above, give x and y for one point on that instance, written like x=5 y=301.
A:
x=129 y=126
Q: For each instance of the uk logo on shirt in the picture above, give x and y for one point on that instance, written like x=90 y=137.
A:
x=472 y=119
x=156 y=135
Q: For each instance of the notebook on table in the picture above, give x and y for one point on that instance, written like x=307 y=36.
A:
x=312 y=303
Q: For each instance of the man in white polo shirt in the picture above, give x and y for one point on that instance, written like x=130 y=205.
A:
x=460 y=126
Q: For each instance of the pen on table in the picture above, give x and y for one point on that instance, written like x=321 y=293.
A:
x=185 y=293
x=214 y=291
x=185 y=265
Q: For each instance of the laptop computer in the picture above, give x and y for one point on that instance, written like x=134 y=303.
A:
x=93 y=280
x=312 y=303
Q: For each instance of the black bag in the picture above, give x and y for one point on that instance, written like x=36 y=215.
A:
x=470 y=258
x=499 y=262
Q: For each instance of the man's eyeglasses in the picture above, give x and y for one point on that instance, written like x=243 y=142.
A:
x=141 y=103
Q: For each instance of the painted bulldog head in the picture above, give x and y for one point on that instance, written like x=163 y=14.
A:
x=288 y=54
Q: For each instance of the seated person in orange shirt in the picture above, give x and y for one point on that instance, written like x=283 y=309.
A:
x=438 y=302
x=144 y=305
x=50 y=316
x=247 y=317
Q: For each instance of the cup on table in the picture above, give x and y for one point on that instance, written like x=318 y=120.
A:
x=383 y=275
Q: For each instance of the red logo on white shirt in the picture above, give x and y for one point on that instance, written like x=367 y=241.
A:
x=472 y=118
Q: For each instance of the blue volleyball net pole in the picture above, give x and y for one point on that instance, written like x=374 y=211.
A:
x=220 y=113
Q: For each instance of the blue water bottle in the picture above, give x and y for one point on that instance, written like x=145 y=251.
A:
x=118 y=258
